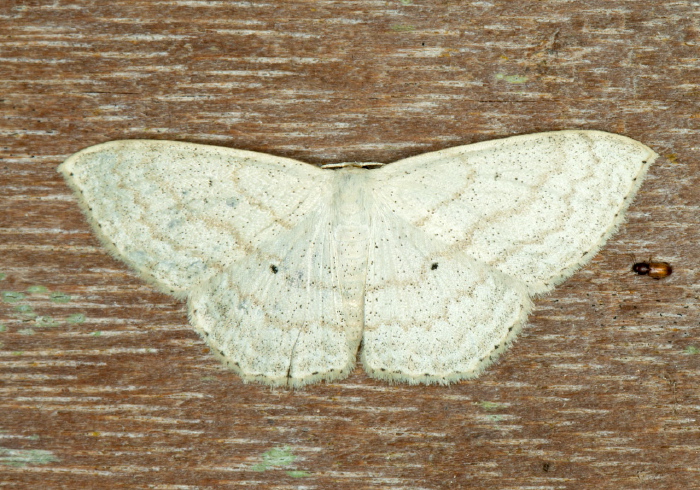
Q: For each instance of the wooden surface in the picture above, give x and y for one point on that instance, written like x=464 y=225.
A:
x=600 y=391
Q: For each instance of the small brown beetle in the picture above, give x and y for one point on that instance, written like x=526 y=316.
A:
x=657 y=270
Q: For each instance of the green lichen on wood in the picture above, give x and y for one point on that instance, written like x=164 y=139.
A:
x=511 y=78
x=275 y=457
x=25 y=457
x=491 y=405
x=25 y=311
x=298 y=473
x=12 y=296
x=60 y=298
x=45 y=321
x=76 y=318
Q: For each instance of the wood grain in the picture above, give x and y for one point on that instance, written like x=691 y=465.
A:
x=599 y=392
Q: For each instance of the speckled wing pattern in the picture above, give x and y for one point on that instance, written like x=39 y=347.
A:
x=179 y=213
x=428 y=263
x=433 y=314
x=280 y=315
x=483 y=228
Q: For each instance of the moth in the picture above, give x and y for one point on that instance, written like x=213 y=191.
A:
x=425 y=268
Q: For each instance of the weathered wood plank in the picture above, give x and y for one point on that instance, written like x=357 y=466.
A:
x=104 y=384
